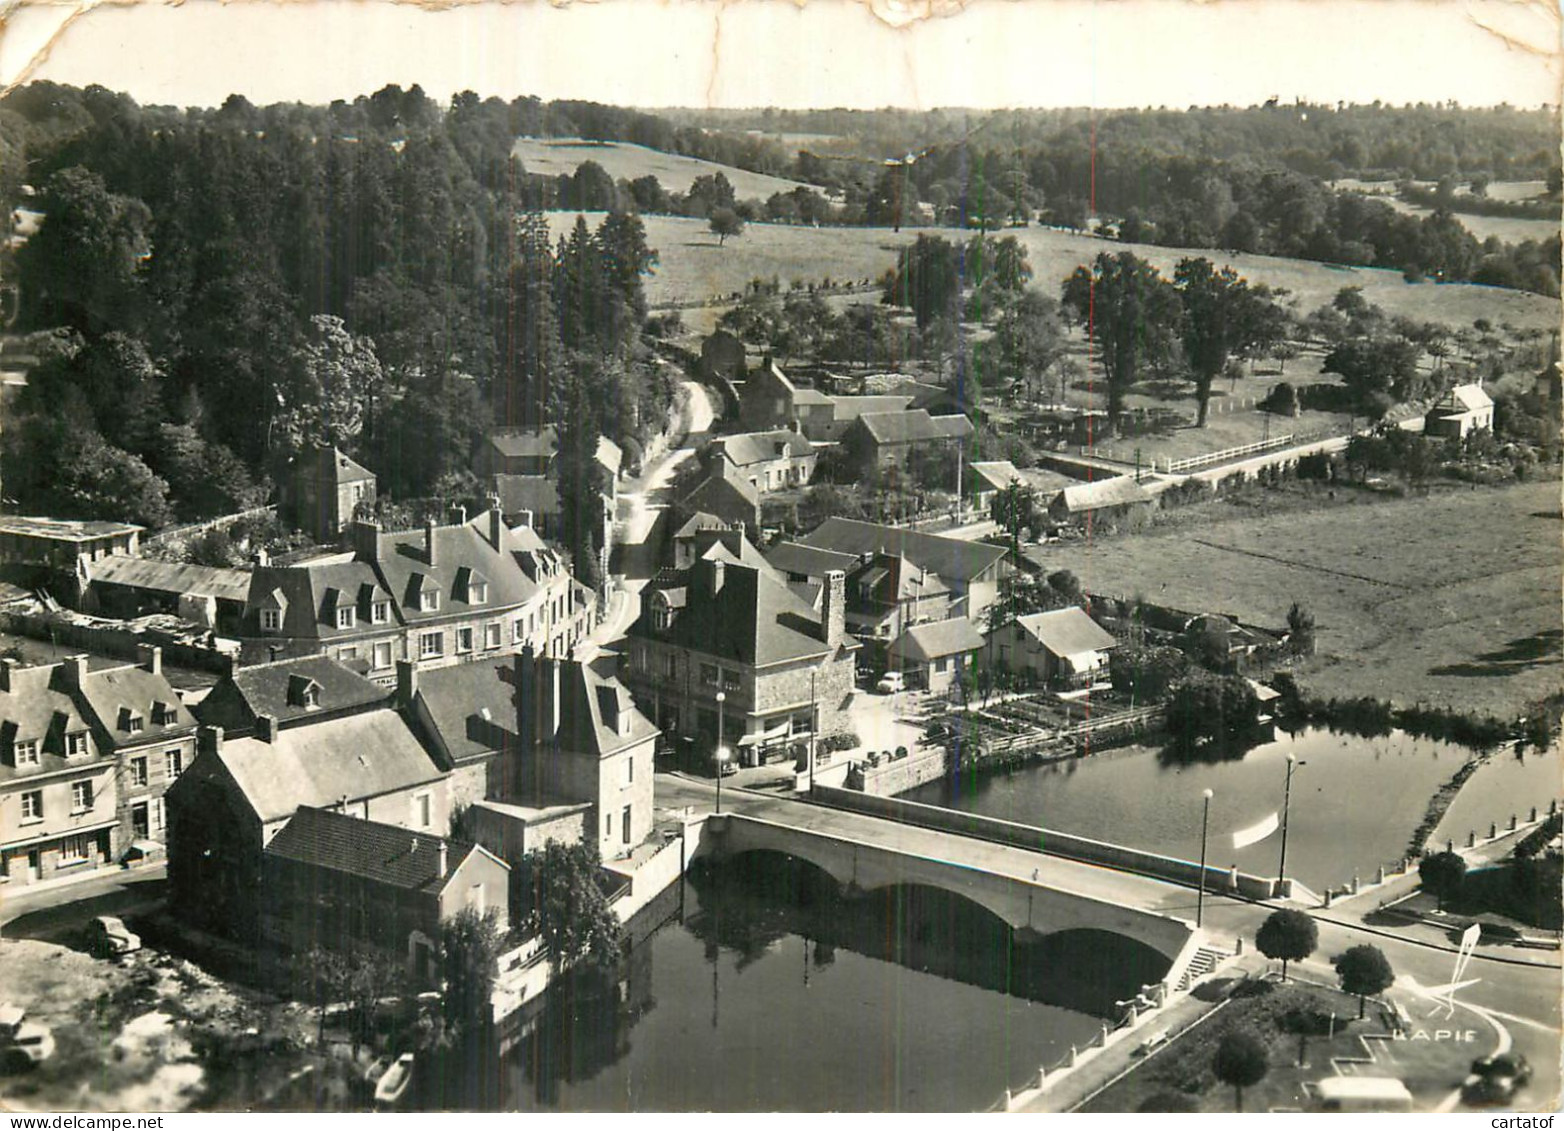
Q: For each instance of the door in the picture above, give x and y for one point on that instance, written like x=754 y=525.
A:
x=34 y=863
x=140 y=827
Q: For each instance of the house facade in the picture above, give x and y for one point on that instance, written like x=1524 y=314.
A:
x=772 y=400
x=725 y=493
x=60 y=552
x=1114 y=499
x=770 y=461
x=883 y=439
x=1059 y=648
x=1459 y=413
x=783 y=668
x=324 y=492
x=444 y=595
x=934 y=655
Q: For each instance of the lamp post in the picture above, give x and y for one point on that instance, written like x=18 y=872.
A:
x=721 y=754
x=1281 y=867
x=814 y=730
x=1205 y=824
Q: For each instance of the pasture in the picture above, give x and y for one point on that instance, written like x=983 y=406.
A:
x=693 y=267
x=1449 y=599
x=555 y=155
x=1507 y=229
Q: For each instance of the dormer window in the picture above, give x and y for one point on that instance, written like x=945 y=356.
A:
x=24 y=752
x=312 y=695
x=662 y=614
x=380 y=612
x=76 y=744
x=303 y=692
x=477 y=591
x=162 y=714
x=131 y=721
x=271 y=620
x=345 y=616
x=429 y=600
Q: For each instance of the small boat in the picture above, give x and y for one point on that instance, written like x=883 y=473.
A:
x=394 y=1083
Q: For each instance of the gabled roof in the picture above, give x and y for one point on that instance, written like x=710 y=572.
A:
x=795 y=557
x=39 y=707
x=386 y=854
x=892 y=578
x=952 y=558
x=995 y=475
x=588 y=701
x=850 y=408
x=536 y=493
x=1119 y=491
x=914 y=426
x=269 y=689
x=355 y=757
x=697 y=522
x=1464 y=398
x=526 y=443
x=330 y=464
x=730 y=545
x=115 y=694
x=723 y=484
x=471 y=706
x=924 y=642
x=171 y=577
x=751 y=619
x=748 y=448
x=1067 y=632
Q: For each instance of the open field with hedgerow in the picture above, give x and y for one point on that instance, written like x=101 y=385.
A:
x=621 y=160
x=1450 y=598
x=692 y=266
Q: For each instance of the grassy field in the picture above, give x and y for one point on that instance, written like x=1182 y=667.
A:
x=556 y=155
x=693 y=266
x=1449 y=599
x=1508 y=229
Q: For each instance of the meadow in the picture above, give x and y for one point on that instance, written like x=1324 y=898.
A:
x=674 y=172
x=1449 y=599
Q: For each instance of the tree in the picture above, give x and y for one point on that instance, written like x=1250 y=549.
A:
x=583 y=481
x=1370 y=366
x=1131 y=312
x=725 y=222
x=564 y=902
x=1221 y=316
x=1213 y=715
x=1364 y=970
x=84 y=264
x=470 y=946
x=1014 y=509
x=1282 y=400
x=1241 y=1062
x=327 y=396
x=1442 y=874
x=1300 y=627
x=927 y=278
x=1289 y=935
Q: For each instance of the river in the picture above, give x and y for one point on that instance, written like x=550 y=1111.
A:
x=1355 y=801
x=768 y=996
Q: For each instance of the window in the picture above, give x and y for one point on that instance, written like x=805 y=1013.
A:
x=477 y=592
x=422 y=815
x=163 y=715
x=625 y=835
x=673 y=665
x=25 y=752
x=941 y=664
x=431 y=600
x=382 y=657
x=345 y=617
x=32 y=805
x=662 y=616
x=475 y=899
x=76 y=744
x=81 y=796
x=431 y=644
x=608 y=826
x=346 y=654
x=516 y=633
x=271 y=620
x=709 y=674
x=135 y=724
x=138 y=771
x=464 y=640
x=380 y=612
x=174 y=763
x=629 y=771
x=491 y=635
x=75 y=850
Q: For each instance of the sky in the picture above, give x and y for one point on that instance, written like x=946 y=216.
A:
x=861 y=53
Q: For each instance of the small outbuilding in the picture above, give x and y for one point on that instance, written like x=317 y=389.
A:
x=933 y=655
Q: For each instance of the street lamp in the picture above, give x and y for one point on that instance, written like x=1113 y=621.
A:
x=1281 y=867
x=1205 y=823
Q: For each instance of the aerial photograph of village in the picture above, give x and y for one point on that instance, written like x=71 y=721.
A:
x=523 y=597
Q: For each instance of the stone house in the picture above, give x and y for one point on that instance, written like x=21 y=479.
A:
x=769 y=460
x=934 y=655
x=771 y=400
x=882 y=439
x=323 y=492
x=1115 y=499
x=1059 y=648
x=726 y=493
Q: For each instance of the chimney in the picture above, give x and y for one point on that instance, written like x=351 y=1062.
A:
x=366 y=540
x=496 y=523
x=553 y=705
x=266 y=728
x=444 y=859
x=459 y=515
x=406 y=683
x=74 y=669
x=150 y=657
x=209 y=740
x=261 y=558
x=429 y=540
x=524 y=518
x=8 y=667
x=833 y=607
x=719 y=572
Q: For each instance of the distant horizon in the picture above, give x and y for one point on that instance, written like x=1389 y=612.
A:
x=830 y=54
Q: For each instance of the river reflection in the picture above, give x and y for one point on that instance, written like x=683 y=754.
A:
x=775 y=994
x=1355 y=801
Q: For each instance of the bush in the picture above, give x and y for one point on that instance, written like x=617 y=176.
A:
x=843 y=740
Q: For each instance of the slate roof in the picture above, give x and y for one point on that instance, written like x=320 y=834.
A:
x=914 y=426
x=724 y=488
x=357 y=757
x=697 y=522
x=542 y=443
x=40 y=707
x=385 y=854
x=730 y=545
x=471 y=706
x=115 y=694
x=954 y=559
x=747 y=448
x=587 y=699
x=850 y=408
x=171 y=577
x=264 y=689
x=752 y=620
x=924 y=642
x=536 y=493
x=1121 y=490
x=331 y=464
x=1067 y=632
x=795 y=557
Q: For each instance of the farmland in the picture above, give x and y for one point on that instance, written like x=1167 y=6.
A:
x=1508 y=229
x=693 y=267
x=1451 y=599
x=622 y=160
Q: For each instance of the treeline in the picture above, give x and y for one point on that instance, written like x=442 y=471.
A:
x=1376 y=718
x=363 y=274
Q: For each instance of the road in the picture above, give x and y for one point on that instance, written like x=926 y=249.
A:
x=53 y=914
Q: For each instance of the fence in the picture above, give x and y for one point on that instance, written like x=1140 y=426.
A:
x=190 y=529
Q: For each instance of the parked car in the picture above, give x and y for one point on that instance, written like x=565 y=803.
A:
x=1496 y=1079
x=890 y=683
x=111 y=938
x=23 y=1044
x=393 y=1085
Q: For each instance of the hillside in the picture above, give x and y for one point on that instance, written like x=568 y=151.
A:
x=692 y=266
x=623 y=160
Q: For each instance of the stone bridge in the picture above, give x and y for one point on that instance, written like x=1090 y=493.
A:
x=1007 y=882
